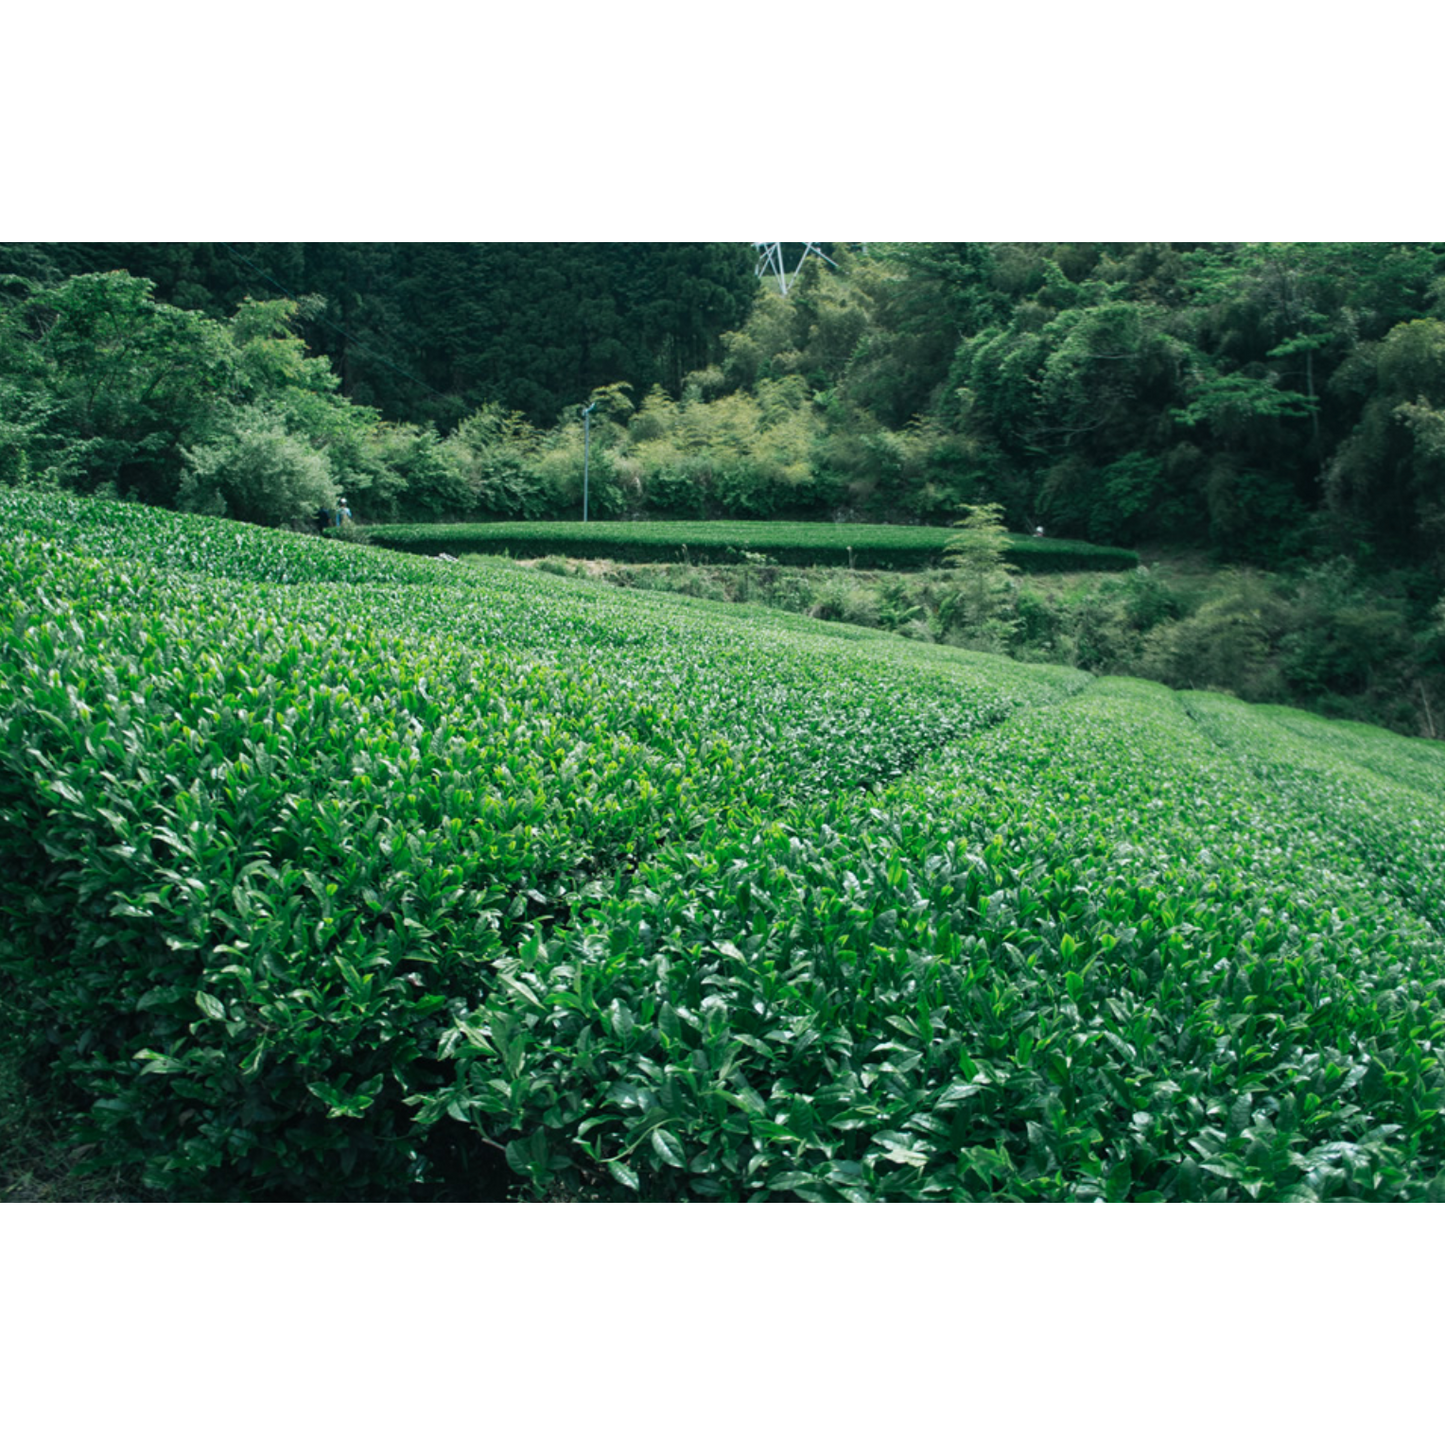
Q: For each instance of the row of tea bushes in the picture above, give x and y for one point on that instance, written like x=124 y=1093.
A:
x=1085 y=956
x=265 y=839
x=789 y=544
x=343 y=882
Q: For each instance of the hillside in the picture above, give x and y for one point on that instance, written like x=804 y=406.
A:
x=335 y=873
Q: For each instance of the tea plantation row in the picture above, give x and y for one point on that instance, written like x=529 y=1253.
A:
x=329 y=873
x=791 y=544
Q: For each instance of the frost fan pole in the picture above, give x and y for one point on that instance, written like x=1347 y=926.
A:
x=586 y=452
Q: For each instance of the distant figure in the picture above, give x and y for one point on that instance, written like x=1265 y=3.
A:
x=1038 y=531
x=343 y=512
x=323 y=518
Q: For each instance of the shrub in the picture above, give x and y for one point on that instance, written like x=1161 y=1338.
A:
x=436 y=483
x=676 y=490
x=256 y=472
x=793 y=544
x=1226 y=645
x=842 y=599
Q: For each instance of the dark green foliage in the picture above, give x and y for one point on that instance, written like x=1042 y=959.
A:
x=103 y=389
x=430 y=332
x=1277 y=402
x=1326 y=640
x=1390 y=474
x=1036 y=1009
x=792 y=544
x=254 y=471
x=262 y=846
x=1122 y=393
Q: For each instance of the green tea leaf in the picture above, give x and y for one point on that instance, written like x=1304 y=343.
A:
x=211 y=1006
x=667 y=1148
x=623 y=1175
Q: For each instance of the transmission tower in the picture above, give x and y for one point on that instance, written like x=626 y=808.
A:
x=770 y=259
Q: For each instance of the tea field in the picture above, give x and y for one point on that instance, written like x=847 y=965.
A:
x=792 y=544
x=329 y=872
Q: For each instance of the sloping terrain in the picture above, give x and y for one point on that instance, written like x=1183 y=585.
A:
x=335 y=873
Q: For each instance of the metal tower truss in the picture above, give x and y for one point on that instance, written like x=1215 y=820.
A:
x=770 y=260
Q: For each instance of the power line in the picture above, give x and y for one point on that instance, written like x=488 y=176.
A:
x=376 y=355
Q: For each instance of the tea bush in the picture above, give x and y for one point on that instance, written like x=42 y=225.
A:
x=796 y=544
x=334 y=873
x=264 y=831
x=1027 y=977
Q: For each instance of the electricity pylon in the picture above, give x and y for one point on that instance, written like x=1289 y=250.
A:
x=770 y=258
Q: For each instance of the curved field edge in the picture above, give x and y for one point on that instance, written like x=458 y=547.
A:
x=799 y=544
x=334 y=874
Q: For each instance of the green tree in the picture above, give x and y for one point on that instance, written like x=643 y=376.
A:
x=980 y=610
x=256 y=471
x=106 y=384
x=1387 y=481
x=982 y=541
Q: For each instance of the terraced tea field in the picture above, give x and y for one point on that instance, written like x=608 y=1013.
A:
x=329 y=872
x=791 y=544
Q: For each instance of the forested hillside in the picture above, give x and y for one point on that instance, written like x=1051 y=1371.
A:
x=430 y=332
x=1271 y=401
x=1277 y=406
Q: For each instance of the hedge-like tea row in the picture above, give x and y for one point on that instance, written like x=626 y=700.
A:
x=1087 y=956
x=790 y=544
x=333 y=873
x=264 y=841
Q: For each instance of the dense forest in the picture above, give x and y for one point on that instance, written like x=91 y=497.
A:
x=1270 y=401
x=427 y=333
x=1276 y=406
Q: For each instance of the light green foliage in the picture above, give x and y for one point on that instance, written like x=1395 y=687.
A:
x=410 y=464
x=746 y=454
x=495 y=454
x=981 y=543
x=1325 y=639
x=979 y=609
x=1228 y=403
x=1133 y=981
x=331 y=873
x=335 y=873
x=102 y=386
x=292 y=711
x=256 y=472
x=102 y=389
